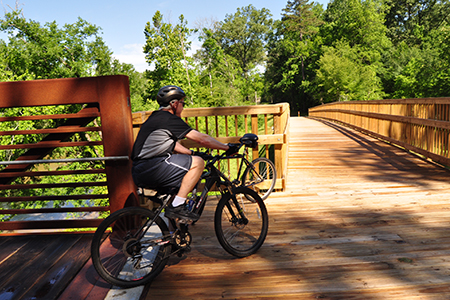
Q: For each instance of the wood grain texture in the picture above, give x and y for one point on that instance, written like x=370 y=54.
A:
x=360 y=219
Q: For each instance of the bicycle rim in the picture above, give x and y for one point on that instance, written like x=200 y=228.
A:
x=241 y=234
x=262 y=177
x=126 y=258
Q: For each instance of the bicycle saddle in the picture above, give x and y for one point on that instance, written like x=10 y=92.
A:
x=249 y=140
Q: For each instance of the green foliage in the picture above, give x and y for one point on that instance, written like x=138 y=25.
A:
x=292 y=55
x=165 y=51
x=50 y=52
x=219 y=74
x=352 y=50
x=242 y=35
x=67 y=152
x=411 y=20
x=35 y=51
x=343 y=77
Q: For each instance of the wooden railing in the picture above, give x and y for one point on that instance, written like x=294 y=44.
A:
x=227 y=124
x=98 y=135
x=418 y=125
x=101 y=126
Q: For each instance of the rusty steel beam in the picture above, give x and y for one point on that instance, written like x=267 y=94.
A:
x=109 y=96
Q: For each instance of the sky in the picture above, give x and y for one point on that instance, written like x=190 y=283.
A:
x=123 y=22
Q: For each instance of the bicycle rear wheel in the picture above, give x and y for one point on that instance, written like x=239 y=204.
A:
x=261 y=177
x=241 y=222
x=134 y=250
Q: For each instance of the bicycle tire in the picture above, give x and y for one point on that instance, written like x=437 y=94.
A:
x=260 y=177
x=240 y=236
x=128 y=261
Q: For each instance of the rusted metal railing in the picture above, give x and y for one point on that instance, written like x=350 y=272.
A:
x=97 y=133
x=419 y=125
x=102 y=123
x=227 y=124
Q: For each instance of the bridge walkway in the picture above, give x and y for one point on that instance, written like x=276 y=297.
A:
x=360 y=219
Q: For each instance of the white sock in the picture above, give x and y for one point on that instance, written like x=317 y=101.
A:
x=177 y=201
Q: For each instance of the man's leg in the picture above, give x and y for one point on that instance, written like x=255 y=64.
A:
x=176 y=209
x=192 y=176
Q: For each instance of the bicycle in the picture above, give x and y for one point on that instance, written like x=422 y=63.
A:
x=138 y=242
x=259 y=174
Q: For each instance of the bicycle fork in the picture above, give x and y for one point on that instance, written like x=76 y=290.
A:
x=239 y=219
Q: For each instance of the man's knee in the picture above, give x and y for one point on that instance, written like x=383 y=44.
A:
x=197 y=162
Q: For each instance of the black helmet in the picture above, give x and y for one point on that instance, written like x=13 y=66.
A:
x=168 y=93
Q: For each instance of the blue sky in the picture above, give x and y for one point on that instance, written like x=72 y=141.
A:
x=123 y=22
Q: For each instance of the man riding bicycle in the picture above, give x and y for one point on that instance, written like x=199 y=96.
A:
x=160 y=161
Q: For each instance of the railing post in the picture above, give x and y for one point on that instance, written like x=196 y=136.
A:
x=118 y=139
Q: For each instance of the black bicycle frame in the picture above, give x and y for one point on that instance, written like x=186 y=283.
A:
x=212 y=176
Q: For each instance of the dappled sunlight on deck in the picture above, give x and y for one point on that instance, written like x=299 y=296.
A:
x=360 y=219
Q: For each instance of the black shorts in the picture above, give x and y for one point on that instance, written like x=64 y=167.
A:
x=161 y=172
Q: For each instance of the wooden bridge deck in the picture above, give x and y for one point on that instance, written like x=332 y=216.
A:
x=360 y=220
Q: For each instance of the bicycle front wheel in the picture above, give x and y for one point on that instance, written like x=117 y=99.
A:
x=241 y=222
x=134 y=249
x=260 y=176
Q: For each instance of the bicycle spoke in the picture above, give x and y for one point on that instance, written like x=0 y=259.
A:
x=130 y=259
x=241 y=226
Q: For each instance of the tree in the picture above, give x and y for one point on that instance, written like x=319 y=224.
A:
x=342 y=76
x=219 y=73
x=355 y=35
x=44 y=52
x=358 y=23
x=243 y=36
x=165 y=51
x=292 y=52
x=301 y=24
x=410 y=20
x=34 y=51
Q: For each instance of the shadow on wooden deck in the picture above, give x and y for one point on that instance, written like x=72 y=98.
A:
x=360 y=220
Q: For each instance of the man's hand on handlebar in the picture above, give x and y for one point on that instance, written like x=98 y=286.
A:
x=233 y=149
x=203 y=155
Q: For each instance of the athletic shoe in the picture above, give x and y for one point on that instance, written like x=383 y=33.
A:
x=180 y=212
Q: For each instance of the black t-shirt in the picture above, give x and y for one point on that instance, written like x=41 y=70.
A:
x=158 y=135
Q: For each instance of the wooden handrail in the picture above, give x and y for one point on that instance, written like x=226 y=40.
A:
x=419 y=125
x=228 y=124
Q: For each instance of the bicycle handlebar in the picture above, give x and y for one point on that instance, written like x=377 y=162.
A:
x=208 y=157
x=248 y=140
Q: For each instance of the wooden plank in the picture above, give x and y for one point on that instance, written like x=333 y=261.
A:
x=53 y=224
x=81 y=115
x=55 y=210
x=274 y=139
x=34 y=263
x=54 y=280
x=87 y=284
x=50 y=185
x=360 y=219
x=50 y=173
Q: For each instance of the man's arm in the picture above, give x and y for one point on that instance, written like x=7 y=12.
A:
x=181 y=149
x=205 y=140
